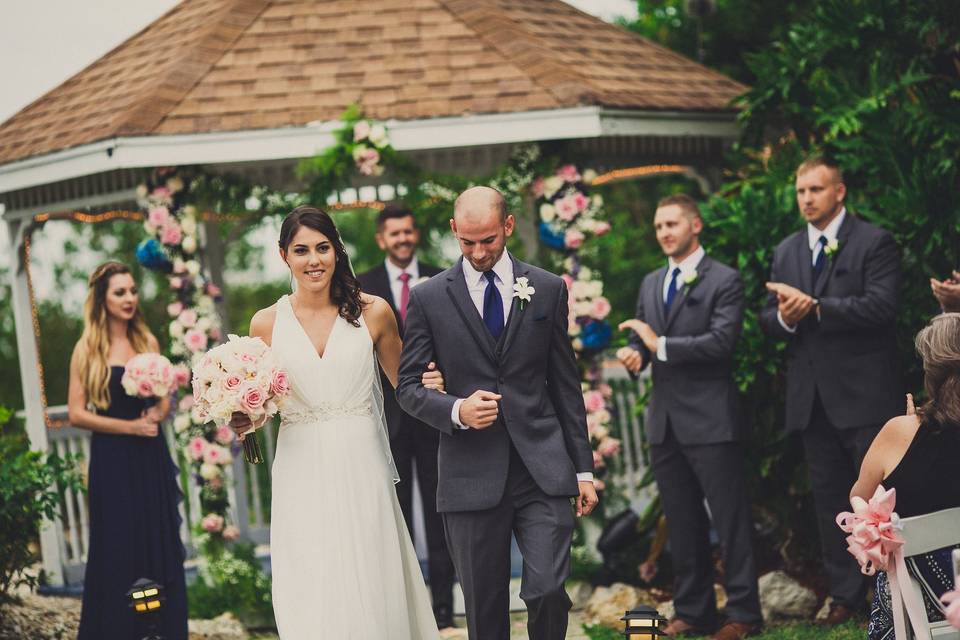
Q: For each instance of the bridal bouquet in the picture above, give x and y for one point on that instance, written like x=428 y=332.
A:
x=240 y=376
x=148 y=375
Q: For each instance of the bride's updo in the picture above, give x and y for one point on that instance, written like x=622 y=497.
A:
x=344 y=286
x=939 y=345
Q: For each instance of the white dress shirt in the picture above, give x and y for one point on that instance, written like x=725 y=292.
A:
x=813 y=237
x=393 y=275
x=690 y=263
x=476 y=287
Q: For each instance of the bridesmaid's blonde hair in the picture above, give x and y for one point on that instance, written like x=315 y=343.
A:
x=939 y=345
x=93 y=349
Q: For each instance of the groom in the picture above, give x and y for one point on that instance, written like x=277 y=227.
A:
x=513 y=445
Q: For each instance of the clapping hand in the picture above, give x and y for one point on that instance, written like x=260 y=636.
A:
x=587 y=500
x=947 y=292
x=432 y=378
x=647 y=335
x=480 y=410
x=794 y=305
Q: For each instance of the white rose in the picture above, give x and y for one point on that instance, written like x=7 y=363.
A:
x=189 y=244
x=589 y=176
x=179 y=266
x=149 y=228
x=551 y=185
x=580 y=289
x=688 y=276
x=577 y=344
x=547 y=212
x=203 y=324
x=190 y=210
x=181 y=423
x=597 y=200
x=193 y=267
x=205 y=305
x=177 y=348
x=176 y=329
x=596 y=288
x=568 y=264
x=573 y=330
x=582 y=308
x=252 y=203
x=188 y=225
x=378 y=135
x=209 y=471
x=585 y=274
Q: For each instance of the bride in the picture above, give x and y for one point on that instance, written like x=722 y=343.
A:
x=342 y=561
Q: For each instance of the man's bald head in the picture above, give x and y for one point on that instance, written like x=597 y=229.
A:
x=478 y=202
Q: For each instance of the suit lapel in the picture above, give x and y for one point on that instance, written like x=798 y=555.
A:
x=386 y=291
x=681 y=298
x=520 y=270
x=658 y=301
x=457 y=290
x=804 y=262
x=843 y=234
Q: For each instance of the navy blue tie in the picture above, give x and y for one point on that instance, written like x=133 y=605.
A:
x=671 y=291
x=821 y=258
x=492 y=306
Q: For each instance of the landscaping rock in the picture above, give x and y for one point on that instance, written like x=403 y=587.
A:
x=40 y=618
x=607 y=604
x=783 y=598
x=223 y=627
x=579 y=593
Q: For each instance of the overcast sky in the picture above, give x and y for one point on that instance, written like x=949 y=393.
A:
x=44 y=42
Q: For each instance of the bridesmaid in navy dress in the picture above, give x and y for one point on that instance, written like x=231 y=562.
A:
x=133 y=490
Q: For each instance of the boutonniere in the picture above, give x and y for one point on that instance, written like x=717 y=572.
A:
x=523 y=290
x=832 y=247
x=419 y=280
x=689 y=278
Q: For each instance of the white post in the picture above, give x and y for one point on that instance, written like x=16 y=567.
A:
x=27 y=347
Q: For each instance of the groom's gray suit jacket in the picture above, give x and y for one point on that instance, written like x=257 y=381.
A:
x=694 y=389
x=532 y=367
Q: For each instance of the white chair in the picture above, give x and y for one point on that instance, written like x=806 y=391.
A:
x=923 y=534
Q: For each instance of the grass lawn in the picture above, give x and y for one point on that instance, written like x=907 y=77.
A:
x=848 y=631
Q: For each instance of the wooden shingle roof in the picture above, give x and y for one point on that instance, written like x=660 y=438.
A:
x=229 y=65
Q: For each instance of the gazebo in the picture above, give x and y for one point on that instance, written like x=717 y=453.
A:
x=250 y=87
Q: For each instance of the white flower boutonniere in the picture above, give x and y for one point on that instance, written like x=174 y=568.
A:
x=419 y=280
x=832 y=247
x=689 y=278
x=523 y=290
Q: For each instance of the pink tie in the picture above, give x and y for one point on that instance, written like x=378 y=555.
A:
x=404 y=296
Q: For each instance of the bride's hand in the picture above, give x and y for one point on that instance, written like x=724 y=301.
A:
x=432 y=378
x=240 y=423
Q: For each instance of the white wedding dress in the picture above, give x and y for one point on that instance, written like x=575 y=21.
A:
x=343 y=564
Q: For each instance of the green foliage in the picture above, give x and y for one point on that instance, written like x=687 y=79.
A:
x=600 y=632
x=232 y=580
x=28 y=493
x=847 y=631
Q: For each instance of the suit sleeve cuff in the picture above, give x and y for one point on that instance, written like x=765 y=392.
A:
x=785 y=326
x=455 y=415
x=586 y=476
x=662 y=348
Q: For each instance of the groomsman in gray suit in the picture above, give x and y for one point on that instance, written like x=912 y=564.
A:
x=834 y=293
x=513 y=434
x=689 y=317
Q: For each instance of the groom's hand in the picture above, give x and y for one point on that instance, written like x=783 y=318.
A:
x=480 y=410
x=587 y=499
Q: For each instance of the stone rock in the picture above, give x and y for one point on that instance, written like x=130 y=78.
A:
x=721 y=595
x=608 y=604
x=667 y=610
x=40 y=618
x=824 y=610
x=783 y=598
x=223 y=627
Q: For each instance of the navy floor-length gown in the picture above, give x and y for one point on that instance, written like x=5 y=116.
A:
x=134 y=529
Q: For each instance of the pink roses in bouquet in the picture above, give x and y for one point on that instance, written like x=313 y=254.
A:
x=239 y=376
x=149 y=375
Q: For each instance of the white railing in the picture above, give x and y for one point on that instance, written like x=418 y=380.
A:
x=253 y=483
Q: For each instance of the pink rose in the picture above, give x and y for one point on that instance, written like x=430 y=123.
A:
x=196 y=447
x=367 y=162
x=581 y=201
x=567 y=280
x=186 y=403
x=280 y=384
x=176 y=282
x=600 y=308
x=181 y=375
x=573 y=238
x=598 y=460
x=174 y=309
x=195 y=340
x=188 y=318
x=232 y=382
x=231 y=533
x=212 y=290
x=224 y=435
x=215 y=334
x=606 y=390
x=171 y=234
x=161 y=193
x=212 y=523
x=537 y=187
x=601 y=227
x=566 y=208
x=593 y=401
x=251 y=399
x=145 y=389
x=569 y=173
x=361 y=130
x=159 y=216
x=214 y=454
x=608 y=447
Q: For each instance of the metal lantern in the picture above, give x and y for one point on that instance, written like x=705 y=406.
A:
x=642 y=623
x=146 y=599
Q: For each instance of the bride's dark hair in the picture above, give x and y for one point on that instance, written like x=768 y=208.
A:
x=344 y=287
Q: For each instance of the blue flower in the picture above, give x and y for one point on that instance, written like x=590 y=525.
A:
x=152 y=256
x=595 y=335
x=552 y=237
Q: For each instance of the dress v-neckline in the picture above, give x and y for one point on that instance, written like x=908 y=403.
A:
x=313 y=348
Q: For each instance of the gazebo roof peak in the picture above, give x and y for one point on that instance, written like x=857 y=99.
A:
x=236 y=65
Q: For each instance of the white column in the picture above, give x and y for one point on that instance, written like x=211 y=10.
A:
x=28 y=350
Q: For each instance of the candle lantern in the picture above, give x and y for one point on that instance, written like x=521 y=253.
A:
x=146 y=599
x=642 y=623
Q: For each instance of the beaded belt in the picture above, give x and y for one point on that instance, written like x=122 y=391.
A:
x=324 y=412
